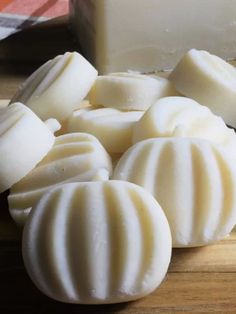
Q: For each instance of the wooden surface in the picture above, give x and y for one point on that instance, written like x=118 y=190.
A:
x=200 y=280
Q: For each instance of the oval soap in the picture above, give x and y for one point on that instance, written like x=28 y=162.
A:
x=113 y=127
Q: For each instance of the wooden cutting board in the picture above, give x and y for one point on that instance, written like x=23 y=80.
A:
x=200 y=280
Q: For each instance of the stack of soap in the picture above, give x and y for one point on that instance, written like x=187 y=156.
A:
x=97 y=240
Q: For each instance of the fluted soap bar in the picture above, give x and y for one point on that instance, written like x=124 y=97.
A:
x=193 y=180
x=114 y=128
x=183 y=117
x=150 y=35
x=24 y=141
x=74 y=157
x=96 y=243
x=58 y=87
x=209 y=80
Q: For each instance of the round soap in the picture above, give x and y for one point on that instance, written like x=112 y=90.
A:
x=183 y=117
x=114 y=128
x=193 y=180
x=125 y=91
x=209 y=80
x=58 y=87
x=96 y=243
x=24 y=141
x=74 y=157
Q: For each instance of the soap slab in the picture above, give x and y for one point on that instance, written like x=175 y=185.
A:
x=193 y=180
x=97 y=243
x=151 y=35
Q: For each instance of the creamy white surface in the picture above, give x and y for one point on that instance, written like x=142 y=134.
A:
x=97 y=242
x=74 y=157
x=193 y=180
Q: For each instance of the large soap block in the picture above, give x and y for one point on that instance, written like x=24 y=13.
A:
x=97 y=242
x=152 y=34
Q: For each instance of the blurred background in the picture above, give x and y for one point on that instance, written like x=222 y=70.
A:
x=31 y=32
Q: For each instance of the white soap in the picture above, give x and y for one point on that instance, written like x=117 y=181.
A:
x=24 y=141
x=125 y=91
x=165 y=86
x=183 y=117
x=209 y=80
x=151 y=35
x=74 y=157
x=193 y=180
x=96 y=243
x=113 y=128
x=58 y=87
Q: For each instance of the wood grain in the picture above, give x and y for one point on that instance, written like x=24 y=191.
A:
x=200 y=280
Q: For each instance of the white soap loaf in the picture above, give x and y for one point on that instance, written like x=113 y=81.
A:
x=209 y=80
x=114 y=128
x=96 y=243
x=74 y=157
x=58 y=87
x=24 y=141
x=150 y=35
x=128 y=91
x=183 y=117
x=193 y=180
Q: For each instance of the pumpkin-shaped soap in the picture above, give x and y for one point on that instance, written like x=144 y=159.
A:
x=96 y=243
x=75 y=157
x=193 y=180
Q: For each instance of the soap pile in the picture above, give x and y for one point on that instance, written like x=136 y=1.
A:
x=108 y=173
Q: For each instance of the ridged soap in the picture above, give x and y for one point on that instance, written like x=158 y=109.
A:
x=183 y=117
x=74 y=157
x=113 y=127
x=193 y=180
x=209 y=80
x=96 y=243
x=24 y=141
x=58 y=87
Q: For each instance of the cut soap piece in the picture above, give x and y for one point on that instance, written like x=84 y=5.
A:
x=58 y=87
x=96 y=243
x=114 y=128
x=193 y=180
x=209 y=80
x=184 y=117
x=24 y=141
x=126 y=91
x=74 y=157
x=150 y=35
